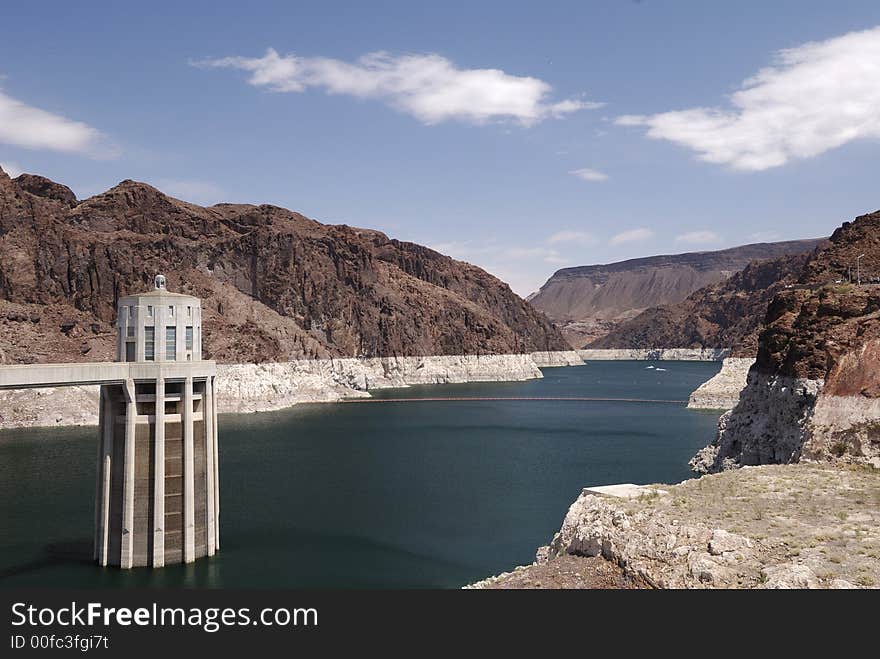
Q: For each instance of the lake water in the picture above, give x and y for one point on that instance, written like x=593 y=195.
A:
x=396 y=495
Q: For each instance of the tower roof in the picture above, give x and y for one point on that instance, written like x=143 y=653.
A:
x=160 y=292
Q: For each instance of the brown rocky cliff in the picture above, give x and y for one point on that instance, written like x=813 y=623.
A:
x=814 y=391
x=276 y=285
x=809 y=329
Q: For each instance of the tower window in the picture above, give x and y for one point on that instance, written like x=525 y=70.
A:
x=189 y=337
x=171 y=311
x=170 y=343
x=130 y=331
x=131 y=311
x=149 y=310
x=189 y=311
x=150 y=343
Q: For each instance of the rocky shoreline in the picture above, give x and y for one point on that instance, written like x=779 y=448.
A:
x=245 y=388
x=775 y=526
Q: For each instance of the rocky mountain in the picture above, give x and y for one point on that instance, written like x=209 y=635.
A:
x=276 y=285
x=591 y=301
x=729 y=314
x=814 y=391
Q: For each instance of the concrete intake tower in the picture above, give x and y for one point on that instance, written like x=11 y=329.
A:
x=157 y=498
x=156 y=494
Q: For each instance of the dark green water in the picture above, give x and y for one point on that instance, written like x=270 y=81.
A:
x=433 y=494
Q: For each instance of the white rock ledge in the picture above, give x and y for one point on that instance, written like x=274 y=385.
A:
x=658 y=354
x=551 y=359
x=721 y=392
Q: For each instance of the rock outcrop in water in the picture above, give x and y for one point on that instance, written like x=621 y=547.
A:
x=276 y=285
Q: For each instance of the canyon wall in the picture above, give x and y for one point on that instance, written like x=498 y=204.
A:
x=275 y=285
x=589 y=302
x=814 y=390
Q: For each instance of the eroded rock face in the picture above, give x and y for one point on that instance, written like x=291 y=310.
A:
x=767 y=426
x=655 y=547
x=845 y=423
x=814 y=391
x=43 y=187
x=276 y=285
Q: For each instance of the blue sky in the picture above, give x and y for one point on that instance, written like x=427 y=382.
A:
x=522 y=137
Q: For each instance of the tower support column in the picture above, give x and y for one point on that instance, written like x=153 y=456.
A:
x=105 y=458
x=159 y=475
x=189 y=519
x=99 y=480
x=216 y=492
x=127 y=542
x=208 y=417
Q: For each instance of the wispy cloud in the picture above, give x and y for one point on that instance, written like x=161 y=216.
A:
x=587 y=174
x=25 y=126
x=704 y=237
x=467 y=250
x=815 y=97
x=765 y=236
x=524 y=268
x=428 y=87
x=12 y=168
x=199 y=192
x=632 y=235
x=571 y=238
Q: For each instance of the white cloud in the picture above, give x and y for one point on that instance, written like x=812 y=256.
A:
x=632 y=235
x=32 y=128
x=587 y=174
x=571 y=238
x=469 y=250
x=540 y=253
x=428 y=87
x=199 y=192
x=815 y=97
x=698 y=237
x=13 y=169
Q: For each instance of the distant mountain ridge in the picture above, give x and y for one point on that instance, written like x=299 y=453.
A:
x=728 y=314
x=275 y=284
x=590 y=301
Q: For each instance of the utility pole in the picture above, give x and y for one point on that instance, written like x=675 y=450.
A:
x=859 y=270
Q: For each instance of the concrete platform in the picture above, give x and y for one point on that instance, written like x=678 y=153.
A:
x=623 y=490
